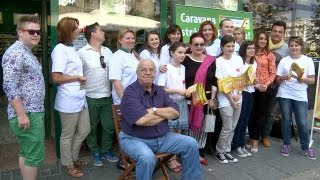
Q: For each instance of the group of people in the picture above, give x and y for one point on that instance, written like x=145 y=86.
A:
x=153 y=91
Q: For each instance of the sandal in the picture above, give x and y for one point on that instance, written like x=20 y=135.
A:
x=80 y=163
x=176 y=169
x=73 y=172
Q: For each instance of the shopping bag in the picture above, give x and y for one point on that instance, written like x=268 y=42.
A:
x=209 y=121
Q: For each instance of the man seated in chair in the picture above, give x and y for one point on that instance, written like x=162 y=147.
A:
x=145 y=109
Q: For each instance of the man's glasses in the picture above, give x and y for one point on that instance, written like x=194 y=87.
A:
x=198 y=45
x=103 y=64
x=32 y=32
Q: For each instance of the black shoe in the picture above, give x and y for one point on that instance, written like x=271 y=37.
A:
x=221 y=158
x=230 y=158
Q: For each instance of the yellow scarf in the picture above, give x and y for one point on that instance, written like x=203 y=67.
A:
x=275 y=46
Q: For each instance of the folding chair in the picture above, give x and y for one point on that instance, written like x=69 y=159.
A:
x=129 y=164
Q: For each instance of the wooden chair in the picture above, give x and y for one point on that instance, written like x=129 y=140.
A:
x=162 y=158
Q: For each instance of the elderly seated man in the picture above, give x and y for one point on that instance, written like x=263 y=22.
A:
x=146 y=108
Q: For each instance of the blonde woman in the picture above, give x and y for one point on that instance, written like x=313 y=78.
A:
x=239 y=35
x=123 y=64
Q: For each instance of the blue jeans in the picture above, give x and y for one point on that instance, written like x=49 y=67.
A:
x=300 y=110
x=245 y=115
x=142 y=151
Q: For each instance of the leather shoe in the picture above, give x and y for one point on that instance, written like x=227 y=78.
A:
x=266 y=142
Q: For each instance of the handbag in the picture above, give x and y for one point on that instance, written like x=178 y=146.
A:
x=209 y=121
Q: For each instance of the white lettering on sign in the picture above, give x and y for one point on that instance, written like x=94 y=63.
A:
x=189 y=32
x=195 y=19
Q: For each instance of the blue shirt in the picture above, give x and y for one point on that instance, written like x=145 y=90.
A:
x=134 y=104
x=23 y=78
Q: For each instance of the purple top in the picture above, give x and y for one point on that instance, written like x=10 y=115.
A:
x=134 y=104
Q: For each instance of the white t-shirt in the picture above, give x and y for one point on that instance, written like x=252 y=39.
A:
x=250 y=88
x=70 y=97
x=226 y=68
x=145 y=54
x=292 y=89
x=173 y=78
x=123 y=67
x=98 y=84
x=216 y=48
x=165 y=57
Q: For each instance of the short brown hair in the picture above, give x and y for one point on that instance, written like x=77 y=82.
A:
x=296 y=39
x=65 y=28
x=33 y=18
x=214 y=29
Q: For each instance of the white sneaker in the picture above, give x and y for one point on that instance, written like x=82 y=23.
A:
x=240 y=152
x=244 y=150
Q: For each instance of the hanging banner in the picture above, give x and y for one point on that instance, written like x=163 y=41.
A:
x=189 y=19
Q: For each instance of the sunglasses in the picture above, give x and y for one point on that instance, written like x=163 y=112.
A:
x=32 y=32
x=103 y=64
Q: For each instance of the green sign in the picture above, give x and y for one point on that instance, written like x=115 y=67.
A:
x=189 y=19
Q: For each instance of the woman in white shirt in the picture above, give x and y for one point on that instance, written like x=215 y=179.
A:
x=173 y=34
x=152 y=51
x=70 y=100
x=293 y=97
x=228 y=65
x=247 y=52
x=123 y=64
x=211 y=40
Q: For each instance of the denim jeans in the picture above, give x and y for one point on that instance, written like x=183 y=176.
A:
x=300 y=110
x=142 y=151
x=245 y=115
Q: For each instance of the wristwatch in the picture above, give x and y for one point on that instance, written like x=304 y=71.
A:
x=154 y=109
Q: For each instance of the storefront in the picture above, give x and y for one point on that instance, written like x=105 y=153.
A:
x=302 y=17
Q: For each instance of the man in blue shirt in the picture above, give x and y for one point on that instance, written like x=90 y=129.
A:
x=146 y=108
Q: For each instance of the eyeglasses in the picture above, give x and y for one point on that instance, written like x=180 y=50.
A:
x=145 y=70
x=198 y=45
x=103 y=64
x=32 y=32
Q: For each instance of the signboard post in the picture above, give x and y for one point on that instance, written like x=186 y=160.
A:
x=316 y=110
x=189 y=19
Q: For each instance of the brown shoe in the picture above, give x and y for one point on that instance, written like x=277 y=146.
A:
x=266 y=142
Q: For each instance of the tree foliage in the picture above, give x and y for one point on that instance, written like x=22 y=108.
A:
x=264 y=14
x=313 y=35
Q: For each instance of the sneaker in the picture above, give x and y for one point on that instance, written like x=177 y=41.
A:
x=309 y=153
x=110 y=156
x=230 y=158
x=221 y=158
x=97 y=161
x=247 y=153
x=286 y=150
x=240 y=152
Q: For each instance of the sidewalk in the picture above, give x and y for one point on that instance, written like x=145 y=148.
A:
x=267 y=164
